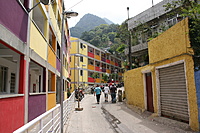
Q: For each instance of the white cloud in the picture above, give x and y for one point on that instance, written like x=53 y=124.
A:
x=114 y=10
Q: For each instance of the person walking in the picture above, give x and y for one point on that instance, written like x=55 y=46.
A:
x=113 y=91
x=97 y=92
x=106 y=92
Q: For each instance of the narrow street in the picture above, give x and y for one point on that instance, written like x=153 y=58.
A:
x=113 y=118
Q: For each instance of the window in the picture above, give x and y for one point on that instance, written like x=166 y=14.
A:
x=81 y=58
x=24 y=3
x=81 y=72
x=39 y=18
x=107 y=57
x=90 y=62
x=97 y=64
x=3 y=78
x=37 y=78
x=97 y=52
x=52 y=39
x=12 y=83
x=90 y=74
x=58 y=50
x=90 y=50
x=172 y=21
x=81 y=45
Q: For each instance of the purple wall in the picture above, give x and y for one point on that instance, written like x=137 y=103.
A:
x=36 y=106
x=103 y=59
x=58 y=65
x=103 y=70
x=14 y=18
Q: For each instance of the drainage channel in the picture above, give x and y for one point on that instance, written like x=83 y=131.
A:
x=113 y=121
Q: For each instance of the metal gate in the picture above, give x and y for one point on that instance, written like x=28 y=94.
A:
x=173 y=92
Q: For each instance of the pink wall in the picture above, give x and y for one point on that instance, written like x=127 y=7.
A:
x=11 y=114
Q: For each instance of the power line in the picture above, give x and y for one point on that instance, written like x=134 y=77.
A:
x=74 y=5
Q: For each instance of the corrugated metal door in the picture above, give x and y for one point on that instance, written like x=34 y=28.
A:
x=173 y=93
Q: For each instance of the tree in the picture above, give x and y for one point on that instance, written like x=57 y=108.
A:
x=95 y=75
x=105 y=77
x=191 y=9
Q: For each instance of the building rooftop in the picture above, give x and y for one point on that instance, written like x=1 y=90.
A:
x=154 y=12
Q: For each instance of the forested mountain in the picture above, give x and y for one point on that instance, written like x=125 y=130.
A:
x=108 y=21
x=102 y=34
x=107 y=37
x=86 y=23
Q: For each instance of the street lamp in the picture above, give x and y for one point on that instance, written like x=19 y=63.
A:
x=82 y=73
x=129 y=42
x=77 y=109
x=75 y=55
x=115 y=75
x=64 y=14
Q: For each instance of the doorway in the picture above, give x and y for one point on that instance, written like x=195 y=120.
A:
x=149 y=92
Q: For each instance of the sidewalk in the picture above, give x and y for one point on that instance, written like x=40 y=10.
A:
x=115 y=118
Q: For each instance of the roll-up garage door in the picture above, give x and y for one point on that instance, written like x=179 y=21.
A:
x=173 y=93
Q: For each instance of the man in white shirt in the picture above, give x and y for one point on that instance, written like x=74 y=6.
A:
x=106 y=92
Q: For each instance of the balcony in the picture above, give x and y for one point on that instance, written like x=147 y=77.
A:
x=97 y=68
x=112 y=63
x=58 y=64
x=103 y=59
x=91 y=54
x=97 y=57
x=90 y=79
x=98 y=80
x=108 y=71
x=103 y=70
x=107 y=61
x=91 y=67
x=137 y=50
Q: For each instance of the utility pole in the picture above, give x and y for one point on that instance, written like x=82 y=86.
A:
x=129 y=42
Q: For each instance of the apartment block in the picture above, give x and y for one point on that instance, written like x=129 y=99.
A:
x=86 y=59
x=30 y=60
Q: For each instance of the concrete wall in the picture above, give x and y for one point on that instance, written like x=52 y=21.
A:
x=36 y=106
x=37 y=42
x=74 y=45
x=173 y=42
x=169 y=47
x=14 y=18
x=51 y=100
x=11 y=114
x=51 y=57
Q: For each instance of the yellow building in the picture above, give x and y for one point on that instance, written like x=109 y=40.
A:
x=87 y=59
x=166 y=86
x=45 y=57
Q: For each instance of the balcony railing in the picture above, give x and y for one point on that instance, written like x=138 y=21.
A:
x=97 y=68
x=50 y=120
x=103 y=59
x=91 y=54
x=108 y=61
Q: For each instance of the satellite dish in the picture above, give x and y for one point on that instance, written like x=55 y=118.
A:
x=45 y=2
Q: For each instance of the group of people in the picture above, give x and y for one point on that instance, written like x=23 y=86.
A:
x=112 y=90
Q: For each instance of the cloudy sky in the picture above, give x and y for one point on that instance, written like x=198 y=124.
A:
x=114 y=10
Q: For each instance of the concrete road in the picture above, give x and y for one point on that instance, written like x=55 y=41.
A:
x=112 y=118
